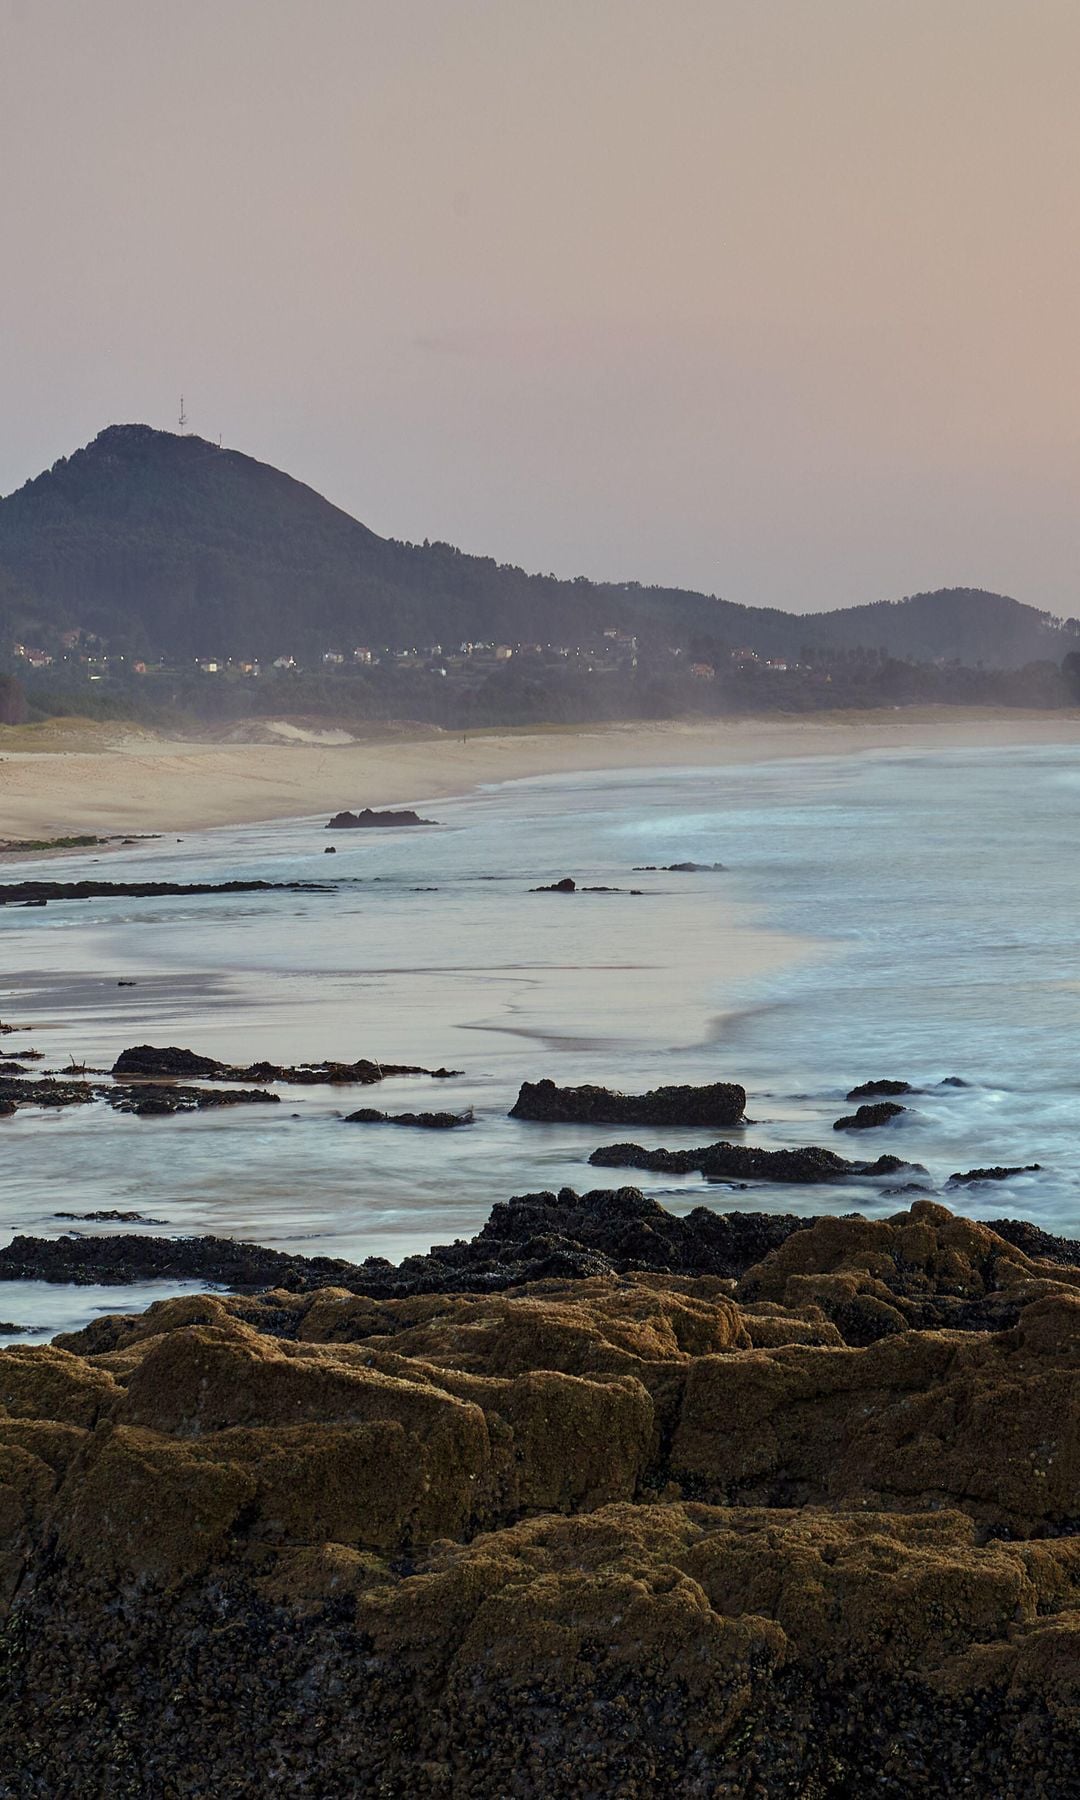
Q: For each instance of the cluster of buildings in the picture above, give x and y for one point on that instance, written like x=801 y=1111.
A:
x=742 y=659
x=84 y=648
x=617 y=648
x=613 y=650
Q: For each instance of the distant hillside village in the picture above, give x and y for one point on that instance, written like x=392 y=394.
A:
x=157 y=576
x=613 y=677
x=615 y=650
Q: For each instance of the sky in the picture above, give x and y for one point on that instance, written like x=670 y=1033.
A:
x=778 y=299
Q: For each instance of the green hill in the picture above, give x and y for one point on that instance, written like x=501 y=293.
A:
x=171 y=546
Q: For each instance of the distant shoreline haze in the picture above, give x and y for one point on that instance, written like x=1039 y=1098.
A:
x=152 y=573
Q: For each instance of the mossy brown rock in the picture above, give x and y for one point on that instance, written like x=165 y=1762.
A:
x=924 y=1267
x=639 y=1535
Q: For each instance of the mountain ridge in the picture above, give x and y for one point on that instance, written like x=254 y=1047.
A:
x=168 y=545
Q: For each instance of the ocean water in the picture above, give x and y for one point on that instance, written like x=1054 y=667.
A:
x=909 y=915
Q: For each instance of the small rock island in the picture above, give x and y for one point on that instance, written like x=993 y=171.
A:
x=367 y=820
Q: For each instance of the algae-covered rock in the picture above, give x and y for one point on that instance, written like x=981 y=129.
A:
x=149 y=1508
x=42 y=1382
x=810 y=1531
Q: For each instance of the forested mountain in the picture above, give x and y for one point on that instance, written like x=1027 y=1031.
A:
x=170 y=546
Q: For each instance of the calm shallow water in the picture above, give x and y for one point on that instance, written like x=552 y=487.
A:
x=908 y=915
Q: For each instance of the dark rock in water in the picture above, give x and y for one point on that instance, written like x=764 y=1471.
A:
x=954 y=1081
x=872 y=1090
x=23 y=893
x=169 y=1062
x=740 y=1162
x=720 y=1103
x=145 y=1100
x=430 y=1121
x=389 y=820
x=7 y=1108
x=113 y=1217
x=127 y=984
x=121 y=1260
x=9 y=1328
x=8 y=1066
x=679 y=868
x=151 y=1102
x=16 y=1092
x=868 y=1118
x=715 y=1103
x=331 y=850
x=569 y=886
x=997 y=1173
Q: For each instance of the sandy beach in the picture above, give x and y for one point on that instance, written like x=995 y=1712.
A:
x=72 y=776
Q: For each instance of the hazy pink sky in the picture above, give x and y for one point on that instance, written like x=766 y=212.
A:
x=775 y=298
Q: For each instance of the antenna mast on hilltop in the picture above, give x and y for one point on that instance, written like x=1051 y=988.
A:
x=183 y=415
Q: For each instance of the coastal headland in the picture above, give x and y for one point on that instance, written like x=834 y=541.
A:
x=69 y=776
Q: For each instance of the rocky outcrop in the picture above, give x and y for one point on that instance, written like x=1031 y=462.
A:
x=879 y=1090
x=41 y=893
x=144 y=1099
x=366 y=819
x=121 y=1260
x=872 y=1290
x=967 y=1177
x=569 y=886
x=152 y=1102
x=109 y=1215
x=544 y=1236
x=1041 y=1245
x=150 y=1062
x=531 y=1238
x=428 y=1121
x=639 y=1534
x=16 y=1091
x=744 y=1162
x=868 y=1118
x=923 y=1269
x=720 y=1103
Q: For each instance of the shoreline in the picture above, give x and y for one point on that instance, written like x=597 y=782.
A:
x=75 y=776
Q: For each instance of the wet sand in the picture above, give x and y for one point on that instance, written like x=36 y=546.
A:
x=73 y=776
